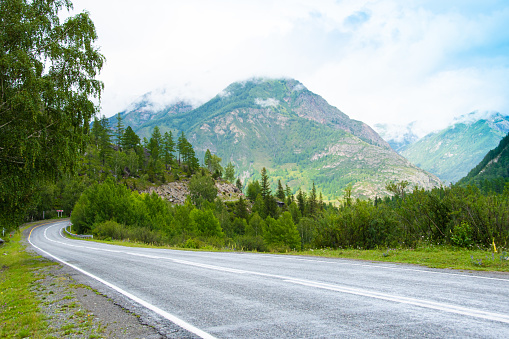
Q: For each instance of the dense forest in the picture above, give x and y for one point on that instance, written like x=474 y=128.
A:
x=105 y=201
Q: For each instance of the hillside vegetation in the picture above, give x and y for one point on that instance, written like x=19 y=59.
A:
x=109 y=202
x=492 y=173
x=295 y=134
x=451 y=153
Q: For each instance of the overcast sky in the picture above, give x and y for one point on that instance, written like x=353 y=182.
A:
x=383 y=61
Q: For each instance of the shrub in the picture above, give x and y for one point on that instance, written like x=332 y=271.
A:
x=250 y=243
x=462 y=235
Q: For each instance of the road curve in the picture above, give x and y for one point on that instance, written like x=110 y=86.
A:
x=246 y=295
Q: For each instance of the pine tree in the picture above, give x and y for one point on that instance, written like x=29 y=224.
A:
x=155 y=143
x=181 y=144
x=280 y=192
x=241 y=209
x=169 y=147
x=289 y=195
x=208 y=160
x=265 y=186
x=238 y=183
x=119 y=130
x=130 y=140
x=312 y=203
x=301 y=202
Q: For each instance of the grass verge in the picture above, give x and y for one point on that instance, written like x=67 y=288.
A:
x=429 y=256
x=19 y=308
x=36 y=301
x=433 y=256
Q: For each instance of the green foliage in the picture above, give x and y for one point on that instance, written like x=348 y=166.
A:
x=492 y=173
x=130 y=140
x=253 y=190
x=282 y=232
x=461 y=235
x=111 y=202
x=206 y=223
x=256 y=225
x=202 y=188
x=229 y=172
x=47 y=80
x=119 y=131
x=155 y=144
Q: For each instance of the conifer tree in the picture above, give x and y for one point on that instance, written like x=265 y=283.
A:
x=238 y=183
x=280 y=192
x=265 y=186
x=104 y=142
x=130 y=140
x=119 y=131
x=289 y=195
x=312 y=202
x=207 y=160
x=301 y=202
x=169 y=147
x=155 y=143
x=181 y=144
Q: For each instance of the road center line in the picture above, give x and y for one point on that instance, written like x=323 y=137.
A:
x=337 y=288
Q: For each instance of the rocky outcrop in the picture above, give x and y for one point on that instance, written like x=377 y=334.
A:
x=177 y=192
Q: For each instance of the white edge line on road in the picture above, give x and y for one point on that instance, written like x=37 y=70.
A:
x=394 y=298
x=170 y=317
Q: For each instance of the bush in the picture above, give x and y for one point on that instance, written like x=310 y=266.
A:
x=110 y=229
x=192 y=243
x=250 y=243
x=462 y=235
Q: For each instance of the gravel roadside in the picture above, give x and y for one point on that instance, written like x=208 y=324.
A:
x=76 y=306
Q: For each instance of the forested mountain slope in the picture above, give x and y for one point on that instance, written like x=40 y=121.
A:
x=295 y=134
x=493 y=170
x=452 y=152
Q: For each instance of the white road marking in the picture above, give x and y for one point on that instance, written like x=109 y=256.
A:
x=170 y=317
x=405 y=300
x=337 y=288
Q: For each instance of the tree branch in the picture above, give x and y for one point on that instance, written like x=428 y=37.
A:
x=39 y=131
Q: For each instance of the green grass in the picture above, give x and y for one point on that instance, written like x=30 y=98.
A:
x=19 y=310
x=20 y=313
x=431 y=256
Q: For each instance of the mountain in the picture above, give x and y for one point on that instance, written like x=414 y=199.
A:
x=152 y=106
x=397 y=136
x=493 y=168
x=453 y=151
x=294 y=133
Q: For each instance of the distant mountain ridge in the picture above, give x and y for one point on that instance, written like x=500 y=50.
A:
x=452 y=152
x=281 y=125
x=397 y=136
x=493 y=167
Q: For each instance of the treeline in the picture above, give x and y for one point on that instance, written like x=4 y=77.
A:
x=280 y=221
x=116 y=164
x=119 y=153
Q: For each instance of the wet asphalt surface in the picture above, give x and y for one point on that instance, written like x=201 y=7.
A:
x=247 y=295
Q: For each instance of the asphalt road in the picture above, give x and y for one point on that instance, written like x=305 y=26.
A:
x=246 y=295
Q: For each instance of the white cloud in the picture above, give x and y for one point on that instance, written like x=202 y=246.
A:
x=269 y=102
x=378 y=61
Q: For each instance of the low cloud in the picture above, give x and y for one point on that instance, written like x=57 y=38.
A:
x=384 y=61
x=270 y=102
